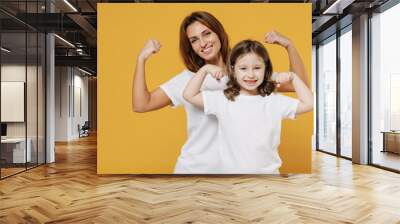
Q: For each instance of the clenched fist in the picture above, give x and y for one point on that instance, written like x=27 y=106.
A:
x=282 y=77
x=215 y=71
x=150 y=47
x=274 y=37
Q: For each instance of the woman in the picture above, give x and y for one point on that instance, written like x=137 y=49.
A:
x=203 y=40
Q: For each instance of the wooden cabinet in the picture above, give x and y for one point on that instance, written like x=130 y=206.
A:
x=391 y=141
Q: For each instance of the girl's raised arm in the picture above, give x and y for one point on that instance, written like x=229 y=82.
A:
x=192 y=91
x=142 y=99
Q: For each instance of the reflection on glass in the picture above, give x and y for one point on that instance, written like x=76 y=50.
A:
x=346 y=94
x=327 y=97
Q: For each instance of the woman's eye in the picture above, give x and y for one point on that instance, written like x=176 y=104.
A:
x=193 y=40
x=208 y=33
x=242 y=68
x=257 y=68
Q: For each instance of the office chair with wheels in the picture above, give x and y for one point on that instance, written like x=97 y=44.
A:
x=84 y=130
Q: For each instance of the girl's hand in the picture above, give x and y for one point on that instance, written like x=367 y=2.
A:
x=274 y=37
x=150 y=47
x=215 y=71
x=283 y=77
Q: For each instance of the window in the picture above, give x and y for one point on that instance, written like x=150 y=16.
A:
x=346 y=75
x=385 y=88
x=327 y=96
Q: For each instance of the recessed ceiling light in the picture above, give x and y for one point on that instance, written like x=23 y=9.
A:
x=84 y=71
x=64 y=40
x=338 y=6
x=5 y=50
x=71 y=6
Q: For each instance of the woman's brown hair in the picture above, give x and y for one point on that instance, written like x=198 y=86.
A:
x=192 y=61
x=240 y=49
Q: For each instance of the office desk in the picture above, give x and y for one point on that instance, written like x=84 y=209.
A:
x=391 y=141
x=13 y=150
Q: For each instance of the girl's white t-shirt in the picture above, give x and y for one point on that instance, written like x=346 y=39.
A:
x=200 y=153
x=249 y=130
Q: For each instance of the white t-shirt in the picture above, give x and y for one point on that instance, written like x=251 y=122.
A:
x=249 y=130
x=200 y=153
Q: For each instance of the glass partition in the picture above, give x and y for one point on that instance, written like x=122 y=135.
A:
x=14 y=154
x=22 y=88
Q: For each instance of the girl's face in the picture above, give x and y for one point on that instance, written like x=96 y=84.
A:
x=204 y=41
x=249 y=73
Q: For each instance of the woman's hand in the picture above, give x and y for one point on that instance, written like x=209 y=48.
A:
x=274 y=37
x=150 y=47
x=283 y=77
x=215 y=71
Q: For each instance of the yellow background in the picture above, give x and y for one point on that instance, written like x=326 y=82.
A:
x=147 y=143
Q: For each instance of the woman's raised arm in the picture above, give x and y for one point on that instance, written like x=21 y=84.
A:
x=304 y=94
x=296 y=63
x=142 y=99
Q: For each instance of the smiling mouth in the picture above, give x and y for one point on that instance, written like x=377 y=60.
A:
x=250 y=82
x=207 y=50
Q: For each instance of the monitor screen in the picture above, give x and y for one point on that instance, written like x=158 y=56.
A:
x=3 y=129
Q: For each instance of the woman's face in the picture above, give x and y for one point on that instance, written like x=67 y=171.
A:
x=204 y=41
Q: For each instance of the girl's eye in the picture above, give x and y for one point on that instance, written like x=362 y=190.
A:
x=207 y=33
x=193 y=40
x=257 y=68
x=242 y=68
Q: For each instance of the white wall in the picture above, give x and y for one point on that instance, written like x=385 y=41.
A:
x=62 y=78
x=80 y=83
x=71 y=87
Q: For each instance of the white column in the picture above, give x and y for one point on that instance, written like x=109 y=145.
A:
x=50 y=92
x=360 y=90
x=50 y=100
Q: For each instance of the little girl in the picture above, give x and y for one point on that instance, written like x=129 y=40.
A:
x=249 y=112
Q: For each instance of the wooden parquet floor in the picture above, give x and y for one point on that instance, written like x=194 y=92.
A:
x=70 y=191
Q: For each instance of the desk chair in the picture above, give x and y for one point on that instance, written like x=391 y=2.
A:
x=84 y=130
